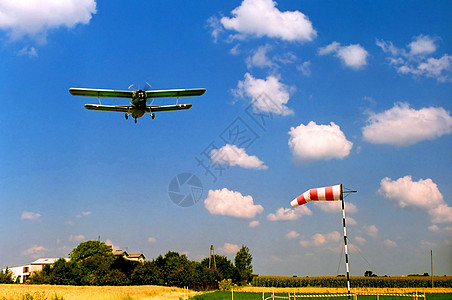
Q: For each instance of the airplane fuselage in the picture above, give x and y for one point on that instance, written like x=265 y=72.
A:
x=139 y=103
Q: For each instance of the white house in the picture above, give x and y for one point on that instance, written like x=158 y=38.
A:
x=23 y=272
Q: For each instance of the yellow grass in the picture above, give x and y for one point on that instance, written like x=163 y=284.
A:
x=48 y=292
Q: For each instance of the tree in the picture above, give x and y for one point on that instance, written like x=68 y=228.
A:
x=177 y=269
x=124 y=265
x=147 y=273
x=243 y=260
x=225 y=267
x=369 y=274
x=6 y=277
x=64 y=273
x=93 y=260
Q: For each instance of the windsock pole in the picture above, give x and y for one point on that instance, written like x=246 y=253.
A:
x=345 y=247
x=345 y=239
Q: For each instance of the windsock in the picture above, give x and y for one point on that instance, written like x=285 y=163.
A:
x=329 y=193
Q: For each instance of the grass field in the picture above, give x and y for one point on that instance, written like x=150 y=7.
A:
x=60 y=292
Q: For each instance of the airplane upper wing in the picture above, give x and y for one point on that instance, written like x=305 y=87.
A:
x=175 y=93
x=100 y=93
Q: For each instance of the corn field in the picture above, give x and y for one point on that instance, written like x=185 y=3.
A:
x=355 y=282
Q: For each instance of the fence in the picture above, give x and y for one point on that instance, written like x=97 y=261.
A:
x=355 y=296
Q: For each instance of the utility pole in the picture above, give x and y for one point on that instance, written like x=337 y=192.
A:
x=431 y=265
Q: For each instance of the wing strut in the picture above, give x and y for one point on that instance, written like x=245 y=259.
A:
x=98 y=97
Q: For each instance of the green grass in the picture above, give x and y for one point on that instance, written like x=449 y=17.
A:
x=258 y=296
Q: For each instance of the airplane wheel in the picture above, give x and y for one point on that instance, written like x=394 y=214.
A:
x=153 y=116
x=127 y=116
x=135 y=121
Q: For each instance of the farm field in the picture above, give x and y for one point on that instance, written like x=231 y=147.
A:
x=255 y=293
x=257 y=296
x=60 y=292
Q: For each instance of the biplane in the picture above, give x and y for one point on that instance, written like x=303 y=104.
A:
x=139 y=100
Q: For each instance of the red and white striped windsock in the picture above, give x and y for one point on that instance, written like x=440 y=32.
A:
x=329 y=193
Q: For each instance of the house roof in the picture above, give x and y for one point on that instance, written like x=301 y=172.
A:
x=46 y=261
x=136 y=255
x=120 y=252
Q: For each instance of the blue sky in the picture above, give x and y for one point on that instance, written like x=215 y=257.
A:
x=300 y=94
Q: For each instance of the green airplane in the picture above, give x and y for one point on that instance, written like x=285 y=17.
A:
x=138 y=106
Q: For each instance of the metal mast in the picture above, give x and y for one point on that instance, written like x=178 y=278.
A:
x=212 y=254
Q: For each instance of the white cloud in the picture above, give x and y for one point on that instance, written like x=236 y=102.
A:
x=336 y=206
x=152 y=239
x=34 y=251
x=84 y=214
x=28 y=51
x=29 y=215
x=434 y=68
x=350 y=221
x=305 y=68
x=390 y=244
x=422 y=194
x=433 y=228
x=253 y=224
x=267 y=95
x=229 y=203
x=76 y=238
x=259 y=58
x=441 y=214
x=235 y=50
x=423 y=44
x=353 y=56
x=319 y=239
x=262 y=18
x=229 y=248
x=360 y=240
x=292 y=235
x=289 y=214
x=404 y=126
x=234 y=156
x=417 y=59
x=371 y=230
x=318 y=142
x=35 y=17
x=213 y=23
x=329 y=49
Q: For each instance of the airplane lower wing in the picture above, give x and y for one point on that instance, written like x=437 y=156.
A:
x=130 y=109
x=168 y=107
x=126 y=109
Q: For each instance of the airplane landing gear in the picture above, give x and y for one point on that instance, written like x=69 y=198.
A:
x=153 y=116
x=127 y=116
x=135 y=121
